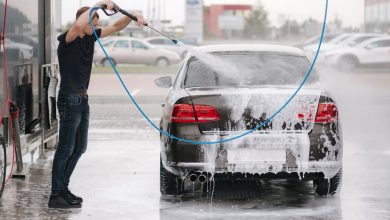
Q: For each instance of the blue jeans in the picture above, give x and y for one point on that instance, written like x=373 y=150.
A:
x=73 y=139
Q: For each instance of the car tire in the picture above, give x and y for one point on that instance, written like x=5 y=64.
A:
x=162 y=62
x=106 y=63
x=347 y=63
x=3 y=165
x=324 y=187
x=170 y=184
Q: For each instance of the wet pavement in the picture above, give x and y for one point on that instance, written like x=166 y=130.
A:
x=118 y=177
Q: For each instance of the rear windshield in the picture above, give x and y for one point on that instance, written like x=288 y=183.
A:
x=249 y=69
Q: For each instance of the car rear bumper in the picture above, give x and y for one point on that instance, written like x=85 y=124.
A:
x=327 y=168
x=259 y=154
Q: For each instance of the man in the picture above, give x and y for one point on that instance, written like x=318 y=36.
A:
x=75 y=56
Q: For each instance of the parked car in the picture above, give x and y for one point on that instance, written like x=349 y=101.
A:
x=343 y=41
x=25 y=39
x=164 y=43
x=26 y=51
x=303 y=142
x=359 y=38
x=127 y=50
x=314 y=40
x=372 y=52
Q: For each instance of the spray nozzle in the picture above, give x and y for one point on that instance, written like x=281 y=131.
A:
x=117 y=9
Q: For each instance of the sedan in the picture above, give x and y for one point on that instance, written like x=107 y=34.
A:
x=248 y=84
x=370 y=53
x=126 y=50
x=164 y=43
x=343 y=41
x=26 y=50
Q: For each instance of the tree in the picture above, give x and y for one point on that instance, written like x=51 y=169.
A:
x=290 y=27
x=257 y=22
x=15 y=19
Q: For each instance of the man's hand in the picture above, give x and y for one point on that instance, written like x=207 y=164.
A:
x=140 y=21
x=83 y=21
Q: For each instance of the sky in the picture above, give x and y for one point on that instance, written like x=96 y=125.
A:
x=351 y=12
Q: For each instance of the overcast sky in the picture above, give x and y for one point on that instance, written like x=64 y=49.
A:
x=351 y=12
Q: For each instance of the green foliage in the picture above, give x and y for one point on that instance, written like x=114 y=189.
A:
x=15 y=19
x=290 y=27
x=257 y=23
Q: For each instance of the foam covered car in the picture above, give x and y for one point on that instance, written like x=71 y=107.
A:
x=227 y=90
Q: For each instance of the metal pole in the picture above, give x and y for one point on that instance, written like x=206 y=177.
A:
x=6 y=130
x=14 y=112
x=42 y=155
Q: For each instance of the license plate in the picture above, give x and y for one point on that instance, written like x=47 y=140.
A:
x=255 y=155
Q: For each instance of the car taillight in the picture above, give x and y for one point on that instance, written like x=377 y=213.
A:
x=326 y=113
x=184 y=113
x=306 y=113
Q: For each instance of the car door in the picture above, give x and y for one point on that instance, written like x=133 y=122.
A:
x=99 y=55
x=120 y=51
x=141 y=54
x=386 y=51
x=376 y=52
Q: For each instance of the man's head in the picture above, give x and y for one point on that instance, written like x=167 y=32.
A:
x=95 y=20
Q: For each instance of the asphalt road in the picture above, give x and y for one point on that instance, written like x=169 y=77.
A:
x=118 y=177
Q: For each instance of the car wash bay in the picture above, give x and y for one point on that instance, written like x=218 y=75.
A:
x=119 y=175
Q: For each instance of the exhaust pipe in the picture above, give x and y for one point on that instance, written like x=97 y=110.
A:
x=193 y=177
x=202 y=178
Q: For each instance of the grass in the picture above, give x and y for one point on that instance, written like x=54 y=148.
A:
x=133 y=69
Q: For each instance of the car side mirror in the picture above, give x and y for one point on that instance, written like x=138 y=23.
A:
x=164 y=82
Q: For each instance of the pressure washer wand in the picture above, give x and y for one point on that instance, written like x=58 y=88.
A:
x=117 y=9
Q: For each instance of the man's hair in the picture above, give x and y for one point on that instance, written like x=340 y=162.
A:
x=84 y=9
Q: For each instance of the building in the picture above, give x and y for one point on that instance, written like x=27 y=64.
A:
x=377 y=16
x=225 y=20
x=193 y=27
x=30 y=52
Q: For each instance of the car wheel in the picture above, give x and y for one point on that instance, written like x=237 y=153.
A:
x=106 y=62
x=170 y=184
x=162 y=62
x=3 y=165
x=325 y=187
x=347 y=63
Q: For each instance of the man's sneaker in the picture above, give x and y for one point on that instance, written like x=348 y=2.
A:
x=73 y=197
x=62 y=202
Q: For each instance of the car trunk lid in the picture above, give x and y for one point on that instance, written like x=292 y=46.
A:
x=231 y=110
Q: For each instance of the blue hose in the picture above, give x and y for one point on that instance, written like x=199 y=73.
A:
x=220 y=141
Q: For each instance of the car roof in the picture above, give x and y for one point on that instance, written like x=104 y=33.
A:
x=364 y=35
x=343 y=37
x=155 y=38
x=376 y=39
x=122 y=37
x=252 y=48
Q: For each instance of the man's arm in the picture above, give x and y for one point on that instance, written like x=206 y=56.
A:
x=83 y=20
x=120 y=25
